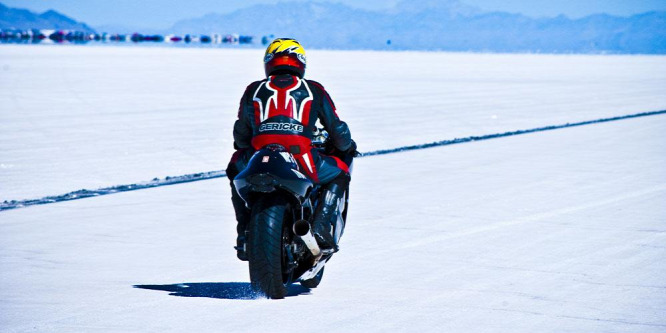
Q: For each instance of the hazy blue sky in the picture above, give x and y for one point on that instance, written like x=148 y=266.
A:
x=161 y=14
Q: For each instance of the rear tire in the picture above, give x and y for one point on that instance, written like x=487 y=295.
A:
x=265 y=246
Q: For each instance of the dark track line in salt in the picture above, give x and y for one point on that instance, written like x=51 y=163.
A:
x=505 y=134
x=156 y=182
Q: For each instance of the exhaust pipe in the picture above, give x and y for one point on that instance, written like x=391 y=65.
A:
x=303 y=231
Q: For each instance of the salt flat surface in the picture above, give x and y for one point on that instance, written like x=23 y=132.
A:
x=88 y=117
x=560 y=231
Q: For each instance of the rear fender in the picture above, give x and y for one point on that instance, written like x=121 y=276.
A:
x=271 y=169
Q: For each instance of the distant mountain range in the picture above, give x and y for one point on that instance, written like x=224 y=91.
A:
x=447 y=25
x=439 y=25
x=24 y=19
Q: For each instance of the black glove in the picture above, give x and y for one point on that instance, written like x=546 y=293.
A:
x=352 y=150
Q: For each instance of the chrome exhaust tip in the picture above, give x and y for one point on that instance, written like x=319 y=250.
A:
x=303 y=231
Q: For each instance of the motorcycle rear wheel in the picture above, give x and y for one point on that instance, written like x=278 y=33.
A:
x=266 y=246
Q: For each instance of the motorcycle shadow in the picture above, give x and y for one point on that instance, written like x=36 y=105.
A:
x=220 y=290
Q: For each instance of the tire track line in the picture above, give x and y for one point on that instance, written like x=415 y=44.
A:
x=156 y=182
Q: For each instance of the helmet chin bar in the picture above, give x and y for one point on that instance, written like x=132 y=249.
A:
x=280 y=70
x=285 y=69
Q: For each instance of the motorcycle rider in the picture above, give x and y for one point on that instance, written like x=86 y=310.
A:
x=284 y=109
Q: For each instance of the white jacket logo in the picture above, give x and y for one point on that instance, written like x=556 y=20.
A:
x=281 y=127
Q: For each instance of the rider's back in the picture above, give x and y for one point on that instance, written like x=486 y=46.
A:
x=285 y=109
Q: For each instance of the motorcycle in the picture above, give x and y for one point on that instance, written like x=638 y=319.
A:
x=280 y=245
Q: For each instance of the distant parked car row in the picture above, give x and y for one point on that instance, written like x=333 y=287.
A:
x=62 y=36
x=24 y=36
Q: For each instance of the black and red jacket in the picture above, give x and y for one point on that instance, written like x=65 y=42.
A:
x=284 y=109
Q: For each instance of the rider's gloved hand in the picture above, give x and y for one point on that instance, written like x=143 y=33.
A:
x=352 y=150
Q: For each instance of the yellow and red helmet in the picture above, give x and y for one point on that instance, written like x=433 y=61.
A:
x=285 y=55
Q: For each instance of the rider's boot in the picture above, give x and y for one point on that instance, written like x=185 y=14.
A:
x=327 y=211
x=242 y=219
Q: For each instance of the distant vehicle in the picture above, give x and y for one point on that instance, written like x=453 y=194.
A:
x=267 y=39
x=156 y=38
x=117 y=38
x=173 y=39
x=57 y=36
x=75 y=37
x=38 y=36
x=230 y=39
x=137 y=38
